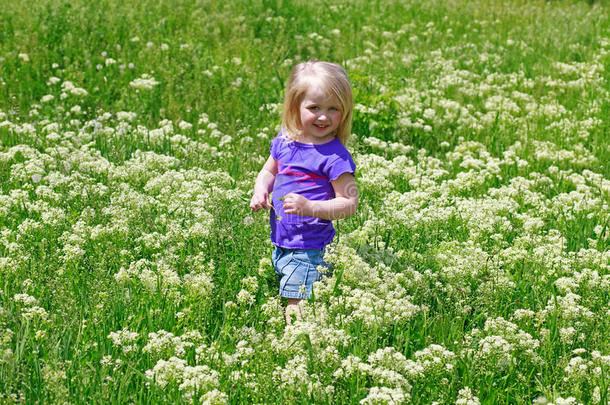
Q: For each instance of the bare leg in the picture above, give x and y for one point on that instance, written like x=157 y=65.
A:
x=292 y=308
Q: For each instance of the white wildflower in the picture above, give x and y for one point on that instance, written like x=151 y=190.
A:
x=145 y=82
x=25 y=299
x=245 y=297
x=125 y=339
x=466 y=397
x=385 y=396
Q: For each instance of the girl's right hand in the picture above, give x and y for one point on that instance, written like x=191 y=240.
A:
x=260 y=201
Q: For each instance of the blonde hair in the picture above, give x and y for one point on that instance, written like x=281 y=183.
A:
x=333 y=79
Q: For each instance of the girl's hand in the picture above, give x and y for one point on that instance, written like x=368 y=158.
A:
x=260 y=201
x=296 y=204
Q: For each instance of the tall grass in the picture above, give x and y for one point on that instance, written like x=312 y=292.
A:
x=477 y=266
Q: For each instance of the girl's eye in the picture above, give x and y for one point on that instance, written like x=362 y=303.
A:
x=314 y=108
x=333 y=109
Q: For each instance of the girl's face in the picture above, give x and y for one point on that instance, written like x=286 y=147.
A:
x=320 y=116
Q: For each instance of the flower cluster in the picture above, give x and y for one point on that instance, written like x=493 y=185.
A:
x=191 y=380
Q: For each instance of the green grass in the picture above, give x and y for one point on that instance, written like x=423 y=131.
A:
x=478 y=257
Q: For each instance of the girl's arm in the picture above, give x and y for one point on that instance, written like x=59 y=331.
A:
x=343 y=205
x=263 y=185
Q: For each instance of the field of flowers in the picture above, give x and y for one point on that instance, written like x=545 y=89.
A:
x=476 y=270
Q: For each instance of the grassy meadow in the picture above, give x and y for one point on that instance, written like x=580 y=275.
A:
x=476 y=270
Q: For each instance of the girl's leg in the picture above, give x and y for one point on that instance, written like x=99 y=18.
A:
x=292 y=308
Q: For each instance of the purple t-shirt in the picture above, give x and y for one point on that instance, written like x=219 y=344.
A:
x=307 y=170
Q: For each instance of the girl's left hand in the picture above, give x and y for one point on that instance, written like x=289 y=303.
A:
x=296 y=204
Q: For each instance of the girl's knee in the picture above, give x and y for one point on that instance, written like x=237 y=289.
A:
x=292 y=310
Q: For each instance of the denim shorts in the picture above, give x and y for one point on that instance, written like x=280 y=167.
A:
x=297 y=270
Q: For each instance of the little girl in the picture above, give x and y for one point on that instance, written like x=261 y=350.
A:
x=311 y=173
